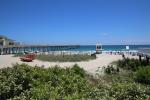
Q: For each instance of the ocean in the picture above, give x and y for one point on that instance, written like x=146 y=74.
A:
x=105 y=48
x=110 y=47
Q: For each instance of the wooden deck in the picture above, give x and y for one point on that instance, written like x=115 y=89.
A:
x=34 y=48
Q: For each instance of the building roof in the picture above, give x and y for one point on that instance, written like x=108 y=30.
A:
x=2 y=36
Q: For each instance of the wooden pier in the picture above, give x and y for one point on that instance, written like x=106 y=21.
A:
x=35 y=48
x=144 y=52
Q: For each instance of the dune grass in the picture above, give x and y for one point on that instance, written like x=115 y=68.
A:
x=61 y=58
x=65 y=58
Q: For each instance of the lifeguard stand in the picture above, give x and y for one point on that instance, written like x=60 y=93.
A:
x=98 y=48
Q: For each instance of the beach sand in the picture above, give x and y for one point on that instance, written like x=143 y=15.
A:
x=90 y=66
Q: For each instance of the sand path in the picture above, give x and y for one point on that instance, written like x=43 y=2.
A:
x=90 y=66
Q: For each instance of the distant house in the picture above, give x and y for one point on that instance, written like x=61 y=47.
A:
x=4 y=41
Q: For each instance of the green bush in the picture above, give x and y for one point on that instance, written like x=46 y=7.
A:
x=23 y=82
x=14 y=80
x=110 y=69
x=131 y=64
x=26 y=82
x=128 y=91
x=77 y=70
x=143 y=75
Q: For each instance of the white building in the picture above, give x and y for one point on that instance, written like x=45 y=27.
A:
x=4 y=41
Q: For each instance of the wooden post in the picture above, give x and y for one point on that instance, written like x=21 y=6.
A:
x=0 y=51
x=12 y=50
x=147 y=59
x=140 y=58
x=9 y=50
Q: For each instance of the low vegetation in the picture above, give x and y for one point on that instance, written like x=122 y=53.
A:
x=110 y=69
x=131 y=64
x=132 y=73
x=65 y=58
x=24 y=82
x=61 y=58
x=143 y=75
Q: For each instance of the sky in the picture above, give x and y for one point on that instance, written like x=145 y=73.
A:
x=76 y=21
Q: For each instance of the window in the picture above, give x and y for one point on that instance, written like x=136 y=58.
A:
x=11 y=43
x=1 y=43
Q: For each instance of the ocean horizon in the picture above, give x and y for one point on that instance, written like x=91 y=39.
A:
x=110 y=47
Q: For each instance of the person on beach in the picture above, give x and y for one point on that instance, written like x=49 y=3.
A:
x=123 y=56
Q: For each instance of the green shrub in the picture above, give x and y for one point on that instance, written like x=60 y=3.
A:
x=14 y=80
x=77 y=70
x=111 y=69
x=143 y=75
x=128 y=91
x=23 y=82
x=131 y=64
x=26 y=82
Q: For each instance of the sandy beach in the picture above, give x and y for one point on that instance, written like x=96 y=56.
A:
x=90 y=66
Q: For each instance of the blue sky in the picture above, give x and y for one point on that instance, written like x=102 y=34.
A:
x=76 y=21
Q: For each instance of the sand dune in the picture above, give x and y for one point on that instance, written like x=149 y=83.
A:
x=90 y=66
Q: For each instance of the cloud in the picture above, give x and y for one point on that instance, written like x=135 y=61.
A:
x=136 y=41
x=104 y=34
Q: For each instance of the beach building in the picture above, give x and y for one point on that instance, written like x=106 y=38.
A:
x=4 y=41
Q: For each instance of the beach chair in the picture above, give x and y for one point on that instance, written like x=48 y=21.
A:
x=28 y=58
